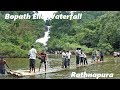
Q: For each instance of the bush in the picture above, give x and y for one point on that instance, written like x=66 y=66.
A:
x=10 y=50
x=106 y=47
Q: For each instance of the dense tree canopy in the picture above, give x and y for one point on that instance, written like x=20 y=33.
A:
x=16 y=37
x=96 y=29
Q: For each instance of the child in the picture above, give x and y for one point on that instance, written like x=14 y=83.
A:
x=85 y=59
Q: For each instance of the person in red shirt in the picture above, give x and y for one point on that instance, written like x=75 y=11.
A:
x=42 y=56
x=2 y=65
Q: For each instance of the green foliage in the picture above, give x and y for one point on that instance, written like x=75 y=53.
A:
x=8 y=50
x=16 y=37
x=39 y=46
x=106 y=47
x=96 y=29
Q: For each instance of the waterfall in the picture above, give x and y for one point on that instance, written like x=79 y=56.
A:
x=44 y=39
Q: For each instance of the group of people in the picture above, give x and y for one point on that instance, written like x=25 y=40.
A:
x=66 y=55
x=97 y=55
x=116 y=54
x=81 y=58
x=33 y=54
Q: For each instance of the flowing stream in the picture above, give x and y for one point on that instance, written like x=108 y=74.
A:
x=111 y=65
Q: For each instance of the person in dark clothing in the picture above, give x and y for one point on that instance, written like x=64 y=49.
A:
x=101 y=56
x=43 y=58
x=2 y=65
x=81 y=56
x=77 y=53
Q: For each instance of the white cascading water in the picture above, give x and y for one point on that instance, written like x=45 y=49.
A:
x=44 y=39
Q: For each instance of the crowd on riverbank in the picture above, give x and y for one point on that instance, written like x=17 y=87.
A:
x=81 y=57
x=116 y=54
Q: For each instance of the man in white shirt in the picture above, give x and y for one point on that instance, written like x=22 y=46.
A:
x=32 y=58
x=63 y=58
x=68 y=55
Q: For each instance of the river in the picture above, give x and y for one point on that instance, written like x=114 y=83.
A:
x=111 y=65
